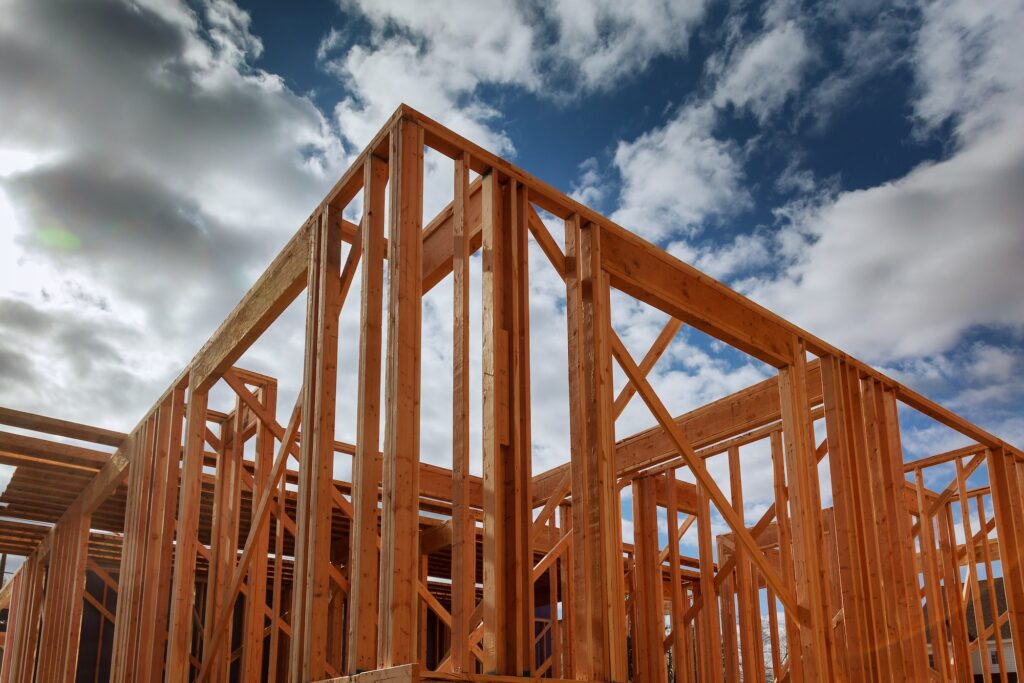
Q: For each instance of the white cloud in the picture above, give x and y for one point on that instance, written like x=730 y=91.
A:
x=764 y=73
x=866 y=39
x=675 y=176
x=482 y=41
x=723 y=261
x=591 y=186
x=607 y=41
x=435 y=56
x=395 y=71
x=936 y=252
x=680 y=174
x=147 y=174
x=992 y=362
x=796 y=179
x=968 y=57
x=932 y=254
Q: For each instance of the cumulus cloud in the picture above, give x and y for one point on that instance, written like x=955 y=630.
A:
x=681 y=174
x=677 y=175
x=747 y=252
x=605 y=42
x=933 y=254
x=927 y=258
x=765 y=72
x=147 y=173
x=968 y=56
x=867 y=39
x=436 y=56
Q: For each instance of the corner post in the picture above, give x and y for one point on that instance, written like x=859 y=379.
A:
x=599 y=613
x=648 y=599
x=508 y=559
x=463 y=522
x=1007 y=477
x=312 y=589
x=364 y=558
x=399 y=546
x=183 y=587
x=805 y=500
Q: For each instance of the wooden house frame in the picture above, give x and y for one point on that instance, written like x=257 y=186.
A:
x=227 y=565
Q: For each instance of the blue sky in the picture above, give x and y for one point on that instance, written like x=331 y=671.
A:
x=854 y=166
x=869 y=141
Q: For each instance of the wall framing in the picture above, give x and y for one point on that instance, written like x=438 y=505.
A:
x=231 y=567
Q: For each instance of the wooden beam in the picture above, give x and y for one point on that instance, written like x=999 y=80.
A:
x=752 y=408
x=256 y=597
x=364 y=570
x=1007 y=477
x=399 y=564
x=599 y=620
x=311 y=592
x=696 y=465
x=22 y=637
x=18 y=450
x=648 y=601
x=805 y=504
x=649 y=274
x=65 y=428
x=711 y=632
x=273 y=292
x=463 y=523
x=508 y=586
x=182 y=597
x=658 y=347
x=62 y=601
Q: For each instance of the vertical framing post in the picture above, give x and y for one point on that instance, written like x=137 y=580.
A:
x=312 y=590
x=183 y=589
x=463 y=524
x=1008 y=503
x=146 y=555
x=846 y=500
x=648 y=600
x=682 y=667
x=19 y=658
x=727 y=613
x=256 y=597
x=749 y=612
x=908 y=589
x=710 y=637
x=63 y=598
x=277 y=655
x=566 y=575
x=223 y=539
x=599 y=616
x=399 y=562
x=508 y=558
x=805 y=498
x=952 y=583
x=933 y=592
x=782 y=516
x=133 y=552
x=880 y=645
x=873 y=460
x=364 y=569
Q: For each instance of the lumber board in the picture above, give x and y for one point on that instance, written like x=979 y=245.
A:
x=273 y=292
x=751 y=408
x=364 y=551
x=65 y=428
x=18 y=449
x=399 y=572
